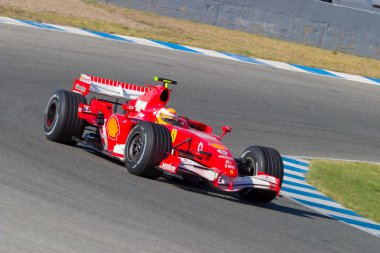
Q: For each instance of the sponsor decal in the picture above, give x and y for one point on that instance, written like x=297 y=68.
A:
x=217 y=146
x=80 y=88
x=228 y=162
x=225 y=157
x=86 y=108
x=228 y=166
x=222 y=152
x=200 y=147
x=85 y=78
x=113 y=128
x=174 y=134
x=168 y=167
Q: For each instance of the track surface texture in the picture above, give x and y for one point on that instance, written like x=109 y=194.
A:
x=57 y=198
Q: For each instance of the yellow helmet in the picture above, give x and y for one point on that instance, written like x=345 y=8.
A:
x=167 y=116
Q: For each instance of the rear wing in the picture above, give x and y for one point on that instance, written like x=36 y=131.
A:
x=86 y=84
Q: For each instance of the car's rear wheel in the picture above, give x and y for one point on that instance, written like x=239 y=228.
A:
x=146 y=146
x=61 y=122
x=257 y=159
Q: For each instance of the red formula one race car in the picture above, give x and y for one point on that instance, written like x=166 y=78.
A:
x=152 y=139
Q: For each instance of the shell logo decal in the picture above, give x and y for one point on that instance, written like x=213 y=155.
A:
x=113 y=127
x=217 y=146
x=174 y=134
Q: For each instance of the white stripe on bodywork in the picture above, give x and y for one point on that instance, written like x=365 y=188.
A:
x=223 y=181
x=254 y=180
x=114 y=91
x=198 y=169
x=140 y=105
x=119 y=149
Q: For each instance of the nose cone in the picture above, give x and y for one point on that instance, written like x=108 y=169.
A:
x=225 y=161
x=228 y=167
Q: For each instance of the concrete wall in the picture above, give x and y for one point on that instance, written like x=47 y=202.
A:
x=306 y=21
x=360 y=4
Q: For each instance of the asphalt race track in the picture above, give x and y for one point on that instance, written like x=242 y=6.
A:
x=56 y=198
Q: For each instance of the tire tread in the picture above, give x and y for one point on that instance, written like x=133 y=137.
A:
x=67 y=124
x=269 y=162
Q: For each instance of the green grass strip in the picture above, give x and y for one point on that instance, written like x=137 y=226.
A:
x=355 y=185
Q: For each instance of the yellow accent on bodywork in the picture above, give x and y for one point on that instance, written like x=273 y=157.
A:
x=174 y=134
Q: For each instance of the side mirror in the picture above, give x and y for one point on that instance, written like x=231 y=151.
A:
x=225 y=130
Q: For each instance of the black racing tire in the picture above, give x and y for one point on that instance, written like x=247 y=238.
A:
x=61 y=122
x=146 y=146
x=261 y=159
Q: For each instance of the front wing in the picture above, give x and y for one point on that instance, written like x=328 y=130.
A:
x=178 y=165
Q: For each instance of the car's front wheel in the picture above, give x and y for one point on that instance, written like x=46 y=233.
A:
x=257 y=159
x=146 y=146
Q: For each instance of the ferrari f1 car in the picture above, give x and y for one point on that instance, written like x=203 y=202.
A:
x=151 y=145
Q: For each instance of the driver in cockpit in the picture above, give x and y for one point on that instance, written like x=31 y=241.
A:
x=167 y=116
